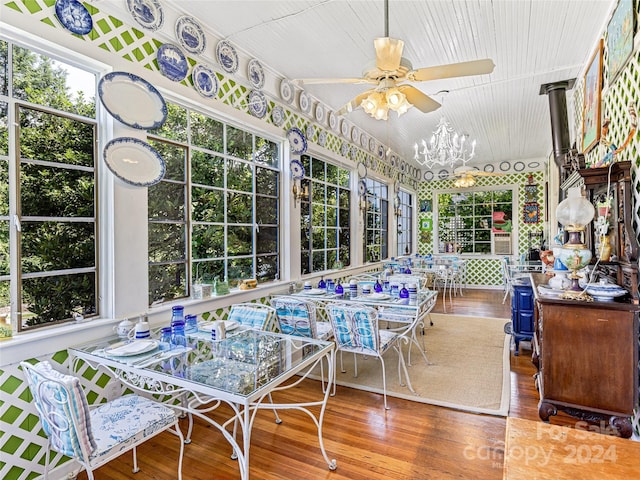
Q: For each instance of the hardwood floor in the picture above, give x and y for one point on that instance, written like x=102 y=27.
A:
x=409 y=441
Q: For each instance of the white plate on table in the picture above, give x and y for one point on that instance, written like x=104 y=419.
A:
x=315 y=291
x=137 y=347
x=379 y=296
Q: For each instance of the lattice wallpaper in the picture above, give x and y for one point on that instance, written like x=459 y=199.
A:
x=487 y=272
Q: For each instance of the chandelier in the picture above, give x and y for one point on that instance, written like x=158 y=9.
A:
x=384 y=98
x=446 y=148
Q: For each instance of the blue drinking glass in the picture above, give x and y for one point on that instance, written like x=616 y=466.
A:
x=191 y=323
x=404 y=293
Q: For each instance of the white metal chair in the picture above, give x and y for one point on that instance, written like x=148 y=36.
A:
x=297 y=316
x=253 y=315
x=355 y=330
x=94 y=437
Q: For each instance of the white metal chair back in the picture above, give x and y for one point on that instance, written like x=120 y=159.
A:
x=253 y=315
x=93 y=437
x=355 y=330
x=298 y=317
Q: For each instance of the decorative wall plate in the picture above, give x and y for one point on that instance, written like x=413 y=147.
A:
x=297 y=169
x=363 y=140
x=255 y=73
x=74 y=16
x=333 y=121
x=504 y=166
x=257 y=104
x=286 y=90
x=362 y=170
x=305 y=103
x=132 y=100
x=518 y=166
x=277 y=115
x=355 y=134
x=488 y=168
x=344 y=128
x=344 y=149
x=372 y=144
x=204 y=80
x=442 y=174
x=320 y=114
x=190 y=34
x=134 y=161
x=148 y=13
x=428 y=175
x=396 y=186
x=172 y=62
x=310 y=131
x=296 y=140
x=380 y=151
x=362 y=187
x=322 y=138
x=227 y=56
x=533 y=164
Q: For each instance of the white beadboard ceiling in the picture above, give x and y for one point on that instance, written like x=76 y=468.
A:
x=532 y=42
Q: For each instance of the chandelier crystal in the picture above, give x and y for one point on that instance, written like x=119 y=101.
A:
x=446 y=148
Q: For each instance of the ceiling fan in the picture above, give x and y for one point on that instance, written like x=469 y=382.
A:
x=465 y=176
x=388 y=72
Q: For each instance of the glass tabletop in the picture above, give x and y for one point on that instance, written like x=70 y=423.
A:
x=241 y=364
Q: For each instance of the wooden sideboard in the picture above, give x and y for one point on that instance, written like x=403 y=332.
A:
x=587 y=359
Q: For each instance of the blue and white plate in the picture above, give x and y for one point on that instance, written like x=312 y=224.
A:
x=355 y=135
x=134 y=161
x=255 y=73
x=286 y=90
x=322 y=138
x=362 y=187
x=344 y=128
x=310 y=131
x=190 y=34
x=296 y=140
x=257 y=104
x=132 y=100
x=297 y=169
x=204 y=80
x=320 y=114
x=74 y=16
x=333 y=121
x=227 y=56
x=172 y=62
x=344 y=149
x=148 y=13
x=381 y=152
x=605 y=292
x=305 y=103
x=277 y=115
x=372 y=144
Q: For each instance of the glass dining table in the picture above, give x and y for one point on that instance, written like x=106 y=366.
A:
x=242 y=371
x=407 y=316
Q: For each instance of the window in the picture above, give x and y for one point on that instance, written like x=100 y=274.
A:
x=48 y=189
x=324 y=216
x=405 y=222
x=376 y=205
x=215 y=213
x=465 y=220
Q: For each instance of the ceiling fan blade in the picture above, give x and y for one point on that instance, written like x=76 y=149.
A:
x=421 y=101
x=462 y=69
x=355 y=103
x=317 y=81
x=388 y=53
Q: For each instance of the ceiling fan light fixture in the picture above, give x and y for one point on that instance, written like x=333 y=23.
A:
x=466 y=181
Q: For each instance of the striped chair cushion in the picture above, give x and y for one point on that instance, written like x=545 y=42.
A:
x=248 y=316
x=71 y=432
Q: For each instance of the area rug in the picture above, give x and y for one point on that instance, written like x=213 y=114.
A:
x=469 y=367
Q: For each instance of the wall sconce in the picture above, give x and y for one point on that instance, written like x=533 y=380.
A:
x=299 y=192
x=297 y=174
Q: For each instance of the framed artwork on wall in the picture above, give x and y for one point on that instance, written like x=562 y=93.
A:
x=620 y=38
x=592 y=89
